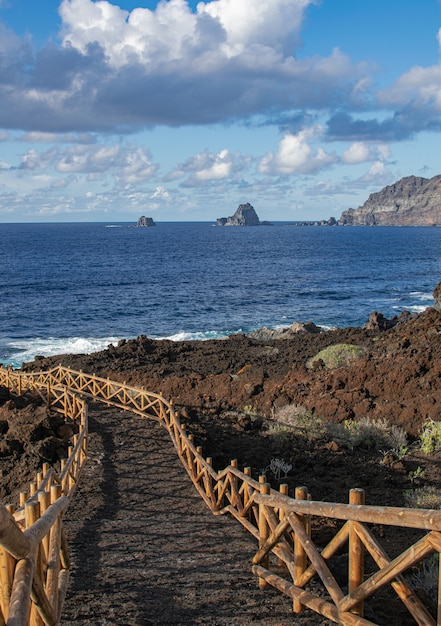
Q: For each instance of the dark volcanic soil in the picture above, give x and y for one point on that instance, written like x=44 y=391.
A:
x=227 y=392
x=398 y=378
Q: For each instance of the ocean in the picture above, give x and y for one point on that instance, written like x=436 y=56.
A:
x=78 y=287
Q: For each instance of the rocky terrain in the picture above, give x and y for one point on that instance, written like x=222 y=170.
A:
x=412 y=201
x=396 y=374
x=231 y=393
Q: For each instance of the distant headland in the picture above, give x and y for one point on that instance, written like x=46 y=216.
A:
x=411 y=201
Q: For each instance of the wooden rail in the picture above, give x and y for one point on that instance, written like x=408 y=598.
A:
x=34 y=561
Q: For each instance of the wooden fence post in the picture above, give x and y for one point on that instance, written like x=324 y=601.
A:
x=233 y=483
x=48 y=391
x=6 y=572
x=53 y=566
x=356 y=552
x=300 y=561
x=32 y=514
x=263 y=532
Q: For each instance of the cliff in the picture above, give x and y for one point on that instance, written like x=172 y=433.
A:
x=412 y=201
x=244 y=216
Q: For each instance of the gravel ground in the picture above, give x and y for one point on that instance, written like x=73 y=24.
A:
x=146 y=550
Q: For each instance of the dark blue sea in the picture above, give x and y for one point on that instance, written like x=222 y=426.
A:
x=79 y=287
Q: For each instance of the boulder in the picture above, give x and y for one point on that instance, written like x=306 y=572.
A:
x=437 y=297
x=284 y=333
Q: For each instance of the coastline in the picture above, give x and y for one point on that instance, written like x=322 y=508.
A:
x=266 y=373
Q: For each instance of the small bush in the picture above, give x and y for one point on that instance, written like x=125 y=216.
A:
x=368 y=433
x=337 y=355
x=427 y=497
x=430 y=437
x=294 y=419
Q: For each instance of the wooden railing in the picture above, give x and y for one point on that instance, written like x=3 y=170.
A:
x=34 y=561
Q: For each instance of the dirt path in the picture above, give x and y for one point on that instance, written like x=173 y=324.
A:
x=146 y=550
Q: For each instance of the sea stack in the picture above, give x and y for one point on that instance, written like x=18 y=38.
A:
x=145 y=222
x=244 y=216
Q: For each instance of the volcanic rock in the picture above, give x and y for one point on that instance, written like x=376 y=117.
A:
x=145 y=222
x=411 y=201
x=244 y=216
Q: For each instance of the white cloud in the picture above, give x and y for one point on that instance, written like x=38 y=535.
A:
x=376 y=169
x=296 y=156
x=357 y=152
x=419 y=88
x=136 y=167
x=33 y=160
x=207 y=166
x=123 y=70
x=361 y=152
x=173 y=32
x=147 y=37
x=247 y=22
x=128 y=165
x=160 y=193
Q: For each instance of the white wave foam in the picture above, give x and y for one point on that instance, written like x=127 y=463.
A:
x=26 y=350
x=420 y=295
x=197 y=336
x=415 y=308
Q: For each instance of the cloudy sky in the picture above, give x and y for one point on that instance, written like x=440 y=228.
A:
x=180 y=110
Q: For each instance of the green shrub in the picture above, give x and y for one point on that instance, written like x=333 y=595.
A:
x=430 y=437
x=337 y=355
x=370 y=434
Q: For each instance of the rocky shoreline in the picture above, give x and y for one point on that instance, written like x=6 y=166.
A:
x=396 y=375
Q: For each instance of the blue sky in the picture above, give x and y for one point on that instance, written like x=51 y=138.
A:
x=182 y=110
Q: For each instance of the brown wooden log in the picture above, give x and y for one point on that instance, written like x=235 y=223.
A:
x=399 y=584
x=12 y=538
x=20 y=604
x=44 y=499
x=42 y=526
x=253 y=530
x=6 y=576
x=274 y=526
x=263 y=533
x=424 y=519
x=41 y=603
x=54 y=561
x=32 y=513
x=316 y=559
x=356 y=551
x=328 y=551
x=271 y=540
x=62 y=590
x=300 y=558
x=406 y=559
x=319 y=605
